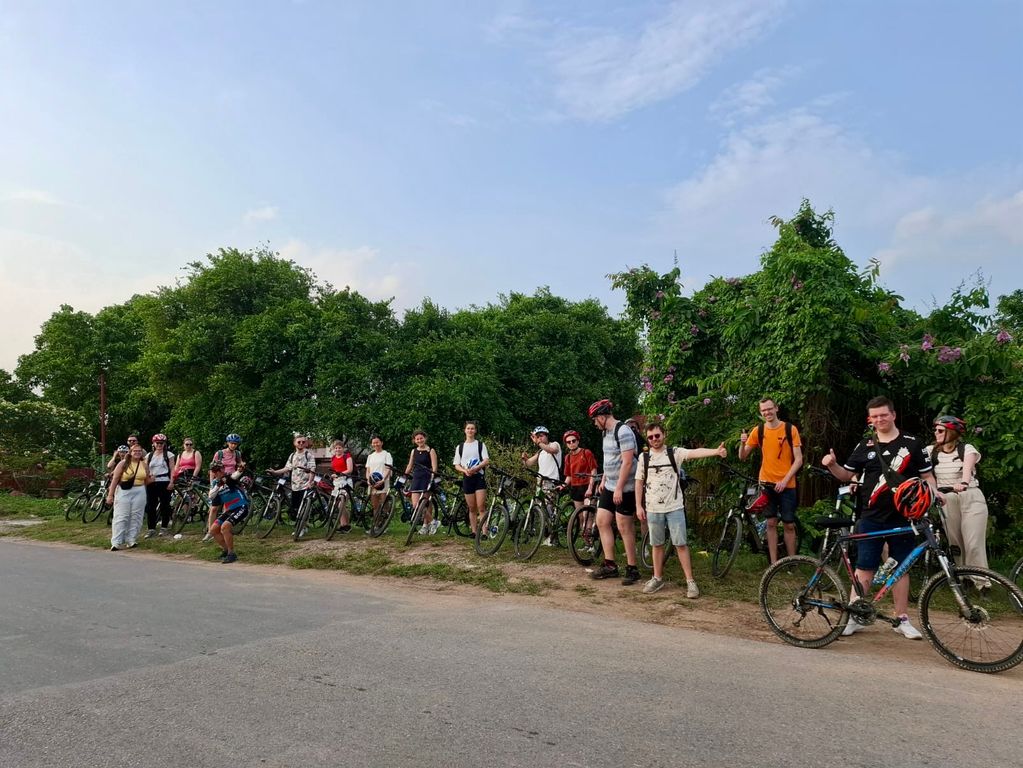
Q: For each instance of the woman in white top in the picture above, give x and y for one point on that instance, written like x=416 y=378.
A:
x=966 y=513
x=379 y=465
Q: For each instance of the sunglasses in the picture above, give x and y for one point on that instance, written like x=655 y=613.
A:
x=571 y=441
x=189 y=445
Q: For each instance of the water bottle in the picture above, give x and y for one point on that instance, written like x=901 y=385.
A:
x=443 y=496
x=885 y=571
x=761 y=529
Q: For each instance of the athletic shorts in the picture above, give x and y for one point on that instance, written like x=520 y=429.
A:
x=474 y=483
x=782 y=505
x=868 y=551
x=577 y=492
x=234 y=516
x=627 y=507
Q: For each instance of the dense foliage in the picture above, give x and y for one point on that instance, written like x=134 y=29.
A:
x=252 y=343
x=821 y=337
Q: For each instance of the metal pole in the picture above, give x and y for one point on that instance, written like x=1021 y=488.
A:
x=103 y=417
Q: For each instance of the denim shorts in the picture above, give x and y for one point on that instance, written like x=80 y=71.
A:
x=868 y=551
x=674 y=521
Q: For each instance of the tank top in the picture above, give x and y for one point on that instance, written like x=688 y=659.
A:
x=186 y=463
x=139 y=476
x=340 y=463
x=422 y=464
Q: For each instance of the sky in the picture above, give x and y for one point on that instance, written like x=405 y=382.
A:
x=462 y=150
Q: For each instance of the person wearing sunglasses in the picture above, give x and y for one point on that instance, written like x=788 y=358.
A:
x=580 y=468
x=302 y=466
x=189 y=462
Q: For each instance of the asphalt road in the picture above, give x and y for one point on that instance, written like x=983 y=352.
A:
x=125 y=659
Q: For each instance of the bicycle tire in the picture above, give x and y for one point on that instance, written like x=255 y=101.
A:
x=1016 y=574
x=492 y=528
x=646 y=550
x=181 y=512
x=460 y=518
x=584 y=546
x=413 y=524
x=274 y=511
x=338 y=504
x=76 y=507
x=96 y=507
x=800 y=614
x=964 y=640
x=530 y=533
x=382 y=517
x=302 y=521
x=728 y=545
x=258 y=516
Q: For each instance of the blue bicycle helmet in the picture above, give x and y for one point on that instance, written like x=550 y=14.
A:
x=233 y=438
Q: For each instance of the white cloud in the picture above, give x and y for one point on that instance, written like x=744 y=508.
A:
x=264 y=213
x=363 y=269
x=604 y=74
x=32 y=196
x=753 y=96
x=929 y=232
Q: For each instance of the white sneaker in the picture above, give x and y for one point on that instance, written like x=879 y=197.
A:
x=907 y=630
x=208 y=537
x=424 y=530
x=692 y=591
x=654 y=585
x=434 y=527
x=853 y=627
x=150 y=533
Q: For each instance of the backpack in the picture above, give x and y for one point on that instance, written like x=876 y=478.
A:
x=680 y=472
x=960 y=452
x=788 y=437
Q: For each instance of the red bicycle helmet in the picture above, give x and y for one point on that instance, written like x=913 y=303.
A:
x=571 y=433
x=600 y=408
x=759 y=504
x=159 y=437
x=953 y=423
x=913 y=498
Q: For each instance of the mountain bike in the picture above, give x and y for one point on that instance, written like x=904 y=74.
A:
x=583 y=537
x=78 y=501
x=314 y=510
x=455 y=518
x=352 y=498
x=1016 y=574
x=98 y=503
x=741 y=522
x=278 y=499
x=805 y=603
x=845 y=512
x=190 y=504
x=501 y=515
x=541 y=518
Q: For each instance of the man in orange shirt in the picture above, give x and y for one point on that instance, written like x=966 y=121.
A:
x=782 y=456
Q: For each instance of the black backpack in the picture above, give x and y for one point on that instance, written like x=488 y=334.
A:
x=680 y=472
x=788 y=438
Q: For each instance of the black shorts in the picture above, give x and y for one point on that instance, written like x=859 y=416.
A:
x=234 y=516
x=577 y=492
x=474 y=483
x=627 y=507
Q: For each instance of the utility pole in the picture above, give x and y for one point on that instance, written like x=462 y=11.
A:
x=103 y=416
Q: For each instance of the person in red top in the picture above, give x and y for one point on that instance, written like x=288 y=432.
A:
x=343 y=466
x=580 y=468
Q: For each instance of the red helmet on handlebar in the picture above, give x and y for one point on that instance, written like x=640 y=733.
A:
x=913 y=498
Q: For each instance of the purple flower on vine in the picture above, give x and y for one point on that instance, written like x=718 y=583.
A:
x=648 y=385
x=978 y=430
x=668 y=379
x=1003 y=337
x=884 y=368
x=904 y=353
x=659 y=294
x=949 y=354
x=706 y=401
x=661 y=417
x=671 y=369
x=694 y=329
x=928 y=343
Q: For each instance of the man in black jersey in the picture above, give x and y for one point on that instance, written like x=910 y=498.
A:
x=903 y=454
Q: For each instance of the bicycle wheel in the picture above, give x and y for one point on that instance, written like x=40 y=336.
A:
x=338 y=505
x=1016 y=574
x=529 y=533
x=646 y=550
x=986 y=635
x=302 y=521
x=728 y=545
x=76 y=507
x=415 y=522
x=460 y=518
x=803 y=602
x=182 y=512
x=382 y=517
x=491 y=528
x=272 y=516
x=583 y=537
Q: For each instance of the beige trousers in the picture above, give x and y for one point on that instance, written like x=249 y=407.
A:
x=966 y=525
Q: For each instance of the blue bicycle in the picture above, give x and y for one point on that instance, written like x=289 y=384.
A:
x=971 y=616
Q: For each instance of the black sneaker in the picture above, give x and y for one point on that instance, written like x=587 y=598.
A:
x=605 y=572
x=344 y=528
x=631 y=575
x=223 y=554
x=230 y=557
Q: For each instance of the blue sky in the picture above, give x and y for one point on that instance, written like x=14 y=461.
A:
x=460 y=150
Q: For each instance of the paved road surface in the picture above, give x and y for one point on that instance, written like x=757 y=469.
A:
x=133 y=660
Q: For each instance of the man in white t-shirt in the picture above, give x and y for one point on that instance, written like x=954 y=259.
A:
x=660 y=502
x=548 y=462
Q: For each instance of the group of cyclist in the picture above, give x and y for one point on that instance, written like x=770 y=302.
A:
x=632 y=483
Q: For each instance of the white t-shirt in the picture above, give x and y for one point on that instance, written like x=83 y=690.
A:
x=549 y=464
x=662 y=493
x=378 y=462
x=470 y=451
